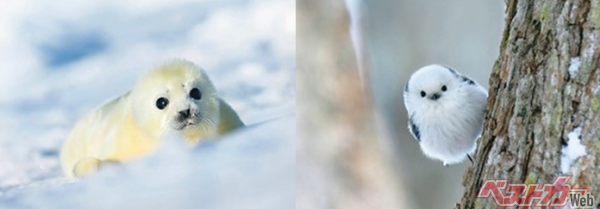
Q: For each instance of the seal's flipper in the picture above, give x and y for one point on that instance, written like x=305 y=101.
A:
x=229 y=119
x=86 y=166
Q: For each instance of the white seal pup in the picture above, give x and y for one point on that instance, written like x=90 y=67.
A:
x=177 y=96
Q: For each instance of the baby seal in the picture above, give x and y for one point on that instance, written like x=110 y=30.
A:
x=177 y=96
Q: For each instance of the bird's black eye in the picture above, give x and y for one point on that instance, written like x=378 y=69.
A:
x=196 y=94
x=444 y=88
x=423 y=94
x=162 y=102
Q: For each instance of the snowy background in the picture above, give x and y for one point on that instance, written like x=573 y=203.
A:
x=60 y=60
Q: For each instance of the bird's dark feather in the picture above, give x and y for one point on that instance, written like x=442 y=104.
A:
x=414 y=129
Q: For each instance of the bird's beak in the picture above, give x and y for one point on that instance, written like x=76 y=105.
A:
x=434 y=97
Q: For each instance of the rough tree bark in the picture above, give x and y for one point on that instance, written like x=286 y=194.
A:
x=339 y=159
x=534 y=102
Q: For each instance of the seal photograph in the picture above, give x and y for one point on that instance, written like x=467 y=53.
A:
x=147 y=104
x=177 y=96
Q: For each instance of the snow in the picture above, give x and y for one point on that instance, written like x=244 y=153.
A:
x=572 y=151
x=60 y=60
x=574 y=66
x=247 y=170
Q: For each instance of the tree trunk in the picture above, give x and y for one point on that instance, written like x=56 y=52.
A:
x=544 y=86
x=339 y=158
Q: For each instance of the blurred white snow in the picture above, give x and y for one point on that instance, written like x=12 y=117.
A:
x=253 y=168
x=59 y=60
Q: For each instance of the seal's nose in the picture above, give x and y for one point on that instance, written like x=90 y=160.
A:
x=185 y=113
x=435 y=97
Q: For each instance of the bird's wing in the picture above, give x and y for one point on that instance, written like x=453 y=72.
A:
x=414 y=129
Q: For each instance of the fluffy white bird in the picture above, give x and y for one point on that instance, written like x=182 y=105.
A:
x=446 y=111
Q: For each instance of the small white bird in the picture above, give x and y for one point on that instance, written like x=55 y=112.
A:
x=445 y=112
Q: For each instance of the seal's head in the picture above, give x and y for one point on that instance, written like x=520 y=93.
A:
x=177 y=96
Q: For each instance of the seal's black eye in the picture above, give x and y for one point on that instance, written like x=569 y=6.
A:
x=423 y=94
x=162 y=102
x=444 y=88
x=196 y=94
